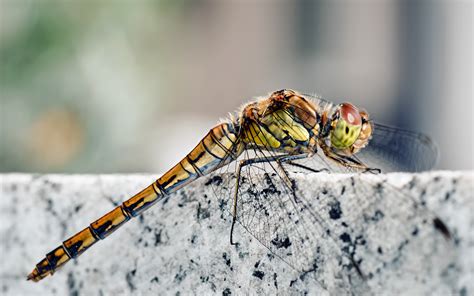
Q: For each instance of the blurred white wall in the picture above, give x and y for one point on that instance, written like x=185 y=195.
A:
x=103 y=86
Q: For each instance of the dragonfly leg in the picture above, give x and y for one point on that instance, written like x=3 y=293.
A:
x=347 y=161
x=356 y=161
x=239 y=167
x=236 y=192
x=306 y=167
x=289 y=160
x=373 y=171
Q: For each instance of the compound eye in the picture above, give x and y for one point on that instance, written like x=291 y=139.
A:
x=350 y=114
x=347 y=127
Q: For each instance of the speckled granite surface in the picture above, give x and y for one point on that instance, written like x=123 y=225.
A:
x=181 y=245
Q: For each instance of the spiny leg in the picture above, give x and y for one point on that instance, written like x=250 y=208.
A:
x=289 y=160
x=348 y=161
x=307 y=168
x=354 y=162
x=284 y=174
x=369 y=169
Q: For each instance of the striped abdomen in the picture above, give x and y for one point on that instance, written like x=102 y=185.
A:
x=218 y=147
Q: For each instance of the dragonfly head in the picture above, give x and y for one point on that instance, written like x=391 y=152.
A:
x=350 y=128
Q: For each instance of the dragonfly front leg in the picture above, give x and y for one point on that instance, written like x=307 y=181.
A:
x=347 y=161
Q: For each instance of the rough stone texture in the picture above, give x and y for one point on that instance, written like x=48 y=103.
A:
x=181 y=245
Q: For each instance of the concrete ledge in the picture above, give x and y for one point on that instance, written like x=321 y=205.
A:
x=181 y=245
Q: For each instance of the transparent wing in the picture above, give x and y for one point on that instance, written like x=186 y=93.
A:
x=343 y=234
x=290 y=226
x=393 y=149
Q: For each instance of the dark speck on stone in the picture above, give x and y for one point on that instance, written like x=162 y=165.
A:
x=257 y=264
x=281 y=243
x=412 y=183
x=216 y=180
x=226 y=292
x=335 y=211
x=441 y=227
x=155 y=280
x=379 y=250
x=360 y=240
x=179 y=277
x=77 y=208
x=378 y=215
x=275 y=280
x=345 y=237
x=227 y=259
x=402 y=245
x=157 y=238
x=55 y=186
x=129 y=278
x=202 y=213
x=447 y=196
x=71 y=282
x=259 y=274
x=379 y=188
x=222 y=204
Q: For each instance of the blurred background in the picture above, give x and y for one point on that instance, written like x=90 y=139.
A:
x=132 y=86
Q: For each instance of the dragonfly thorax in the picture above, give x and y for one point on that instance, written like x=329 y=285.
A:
x=284 y=122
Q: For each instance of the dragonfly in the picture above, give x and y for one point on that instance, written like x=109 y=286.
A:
x=264 y=144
